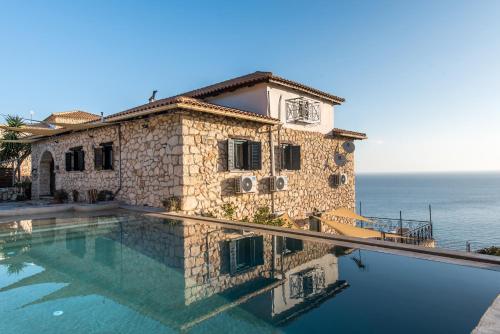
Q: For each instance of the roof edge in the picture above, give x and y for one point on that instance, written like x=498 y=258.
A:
x=349 y=134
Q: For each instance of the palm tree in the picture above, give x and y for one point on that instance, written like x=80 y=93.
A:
x=14 y=151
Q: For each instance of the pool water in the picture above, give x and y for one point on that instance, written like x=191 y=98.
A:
x=127 y=273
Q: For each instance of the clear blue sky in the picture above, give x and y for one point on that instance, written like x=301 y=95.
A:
x=422 y=78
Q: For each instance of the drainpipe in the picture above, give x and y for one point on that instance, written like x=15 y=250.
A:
x=271 y=144
x=273 y=164
x=119 y=160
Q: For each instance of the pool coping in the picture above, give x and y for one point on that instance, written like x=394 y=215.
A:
x=490 y=321
x=57 y=208
x=435 y=254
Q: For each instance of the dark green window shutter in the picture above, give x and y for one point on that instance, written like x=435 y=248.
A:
x=69 y=161
x=279 y=245
x=98 y=158
x=295 y=157
x=294 y=245
x=255 y=155
x=258 y=247
x=230 y=154
x=110 y=158
x=286 y=157
x=233 y=257
x=81 y=160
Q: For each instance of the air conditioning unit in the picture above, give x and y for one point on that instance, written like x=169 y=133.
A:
x=245 y=184
x=337 y=180
x=343 y=179
x=278 y=183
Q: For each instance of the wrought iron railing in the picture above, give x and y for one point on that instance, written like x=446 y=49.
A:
x=414 y=231
x=303 y=110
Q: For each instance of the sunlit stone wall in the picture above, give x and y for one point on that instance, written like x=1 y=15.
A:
x=185 y=155
x=208 y=183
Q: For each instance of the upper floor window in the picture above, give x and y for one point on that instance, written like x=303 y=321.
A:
x=290 y=157
x=302 y=110
x=75 y=159
x=244 y=154
x=103 y=156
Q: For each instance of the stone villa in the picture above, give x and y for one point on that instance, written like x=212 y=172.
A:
x=252 y=141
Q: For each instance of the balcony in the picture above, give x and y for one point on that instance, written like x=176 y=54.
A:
x=302 y=110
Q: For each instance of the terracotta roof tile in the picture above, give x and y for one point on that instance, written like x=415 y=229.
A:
x=73 y=116
x=348 y=133
x=255 y=78
x=187 y=102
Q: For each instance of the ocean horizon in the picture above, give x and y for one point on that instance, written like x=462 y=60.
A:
x=465 y=205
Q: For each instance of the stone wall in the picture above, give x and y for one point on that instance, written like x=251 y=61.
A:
x=151 y=153
x=208 y=184
x=184 y=154
x=73 y=180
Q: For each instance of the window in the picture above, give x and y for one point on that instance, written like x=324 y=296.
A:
x=245 y=253
x=244 y=154
x=103 y=157
x=302 y=110
x=290 y=157
x=288 y=245
x=75 y=159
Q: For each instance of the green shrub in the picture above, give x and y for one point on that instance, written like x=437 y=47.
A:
x=75 y=194
x=172 y=203
x=228 y=210
x=490 y=251
x=105 y=195
x=264 y=216
x=60 y=196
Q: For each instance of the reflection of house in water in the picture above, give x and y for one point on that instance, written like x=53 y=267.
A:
x=179 y=273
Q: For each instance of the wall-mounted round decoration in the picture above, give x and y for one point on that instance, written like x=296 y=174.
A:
x=340 y=159
x=349 y=146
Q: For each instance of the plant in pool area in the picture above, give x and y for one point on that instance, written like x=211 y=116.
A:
x=172 y=203
x=228 y=210
x=16 y=152
x=60 y=196
x=264 y=216
x=23 y=189
x=75 y=194
x=105 y=195
x=490 y=251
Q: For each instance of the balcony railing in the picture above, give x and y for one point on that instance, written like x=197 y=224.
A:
x=302 y=110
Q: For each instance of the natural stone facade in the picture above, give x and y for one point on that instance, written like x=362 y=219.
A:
x=208 y=184
x=184 y=154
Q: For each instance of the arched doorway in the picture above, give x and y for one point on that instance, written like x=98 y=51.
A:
x=46 y=174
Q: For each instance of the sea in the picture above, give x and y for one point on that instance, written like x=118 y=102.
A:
x=465 y=206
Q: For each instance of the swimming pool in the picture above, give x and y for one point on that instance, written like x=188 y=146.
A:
x=126 y=273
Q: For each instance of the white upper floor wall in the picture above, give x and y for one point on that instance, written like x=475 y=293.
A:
x=271 y=99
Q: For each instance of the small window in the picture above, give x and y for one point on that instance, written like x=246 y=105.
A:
x=246 y=253
x=103 y=157
x=288 y=245
x=290 y=157
x=244 y=154
x=75 y=159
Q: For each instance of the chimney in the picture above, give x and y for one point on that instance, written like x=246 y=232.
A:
x=153 y=96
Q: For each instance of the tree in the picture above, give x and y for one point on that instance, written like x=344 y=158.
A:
x=14 y=151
